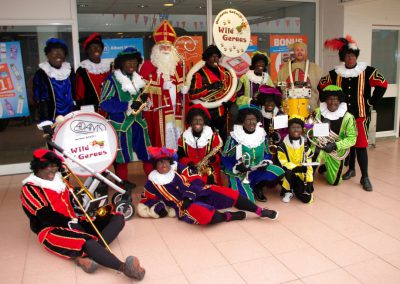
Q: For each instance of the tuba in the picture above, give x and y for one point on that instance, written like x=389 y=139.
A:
x=321 y=142
x=215 y=97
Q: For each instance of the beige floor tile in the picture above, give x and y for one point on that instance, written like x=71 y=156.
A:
x=374 y=271
x=160 y=266
x=331 y=277
x=225 y=232
x=345 y=252
x=178 y=279
x=378 y=243
x=392 y=258
x=306 y=261
x=221 y=274
x=242 y=250
x=265 y=270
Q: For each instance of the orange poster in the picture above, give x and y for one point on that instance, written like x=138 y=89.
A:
x=279 y=51
x=190 y=48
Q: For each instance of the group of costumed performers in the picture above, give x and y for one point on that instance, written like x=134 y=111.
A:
x=53 y=83
x=46 y=200
x=333 y=110
x=91 y=73
x=199 y=146
x=123 y=100
x=165 y=74
x=246 y=156
x=356 y=80
x=293 y=153
x=207 y=83
x=305 y=75
x=257 y=76
x=173 y=190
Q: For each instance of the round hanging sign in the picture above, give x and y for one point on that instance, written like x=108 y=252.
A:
x=231 y=32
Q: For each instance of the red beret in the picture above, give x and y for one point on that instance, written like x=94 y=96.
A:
x=157 y=153
x=199 y=106
x=44 y=155
x=92 y=37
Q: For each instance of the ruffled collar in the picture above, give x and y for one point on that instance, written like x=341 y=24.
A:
x=57 y=184
x=295 y=144
x=201 y=141
x=340 y=112
x=269 y=115
x=252 y=140
x=58 y=74
x=353 y=72
x=262 y=80
x=163 y=179
x=96 y=68
x=132 y=86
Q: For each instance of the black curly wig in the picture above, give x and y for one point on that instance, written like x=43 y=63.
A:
x=120 y=59
x=48 y=159
x=247 y=111
x=54 y=45
x=257 y=57
x=210 y=50
x=195 y=112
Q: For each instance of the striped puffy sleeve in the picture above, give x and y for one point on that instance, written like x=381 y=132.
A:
x=33 y=199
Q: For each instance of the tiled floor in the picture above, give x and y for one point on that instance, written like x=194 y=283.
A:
x=346 y=236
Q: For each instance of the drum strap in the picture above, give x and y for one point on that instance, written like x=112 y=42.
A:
x=291 y=75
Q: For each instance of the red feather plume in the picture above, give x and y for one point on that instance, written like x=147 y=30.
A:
x=334 y=44
x=349 y=39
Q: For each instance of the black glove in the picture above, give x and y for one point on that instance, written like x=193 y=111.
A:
x=330 y=147
x=48 y=130
x=210 y=179
x=212 y=159
x=242 y=168
x=135 y=105
x=227 y=104
x=299 y=169
x=215 y=86
x=275 y=136
x=300 y=84
x=186 y=202
x=143 y=97
x=192 y=168
x=162 y=213
x=310 y=187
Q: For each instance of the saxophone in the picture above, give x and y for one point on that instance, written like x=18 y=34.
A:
x=203 y=166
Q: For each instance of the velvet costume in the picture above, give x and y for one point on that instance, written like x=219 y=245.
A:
x=131 y=129
x=192 y=150
x=290 y=155
x=53 y=90
x=248 y=86
x=346 y=129
x=254 y=150
x=163 y=191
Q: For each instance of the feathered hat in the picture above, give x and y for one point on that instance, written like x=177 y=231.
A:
x=158 y=153
x=257 y=56
x=197 y=109
x=344 y=45
x=165 y=33
x=53 y=43
x=265 y=92
x=332 y=90
x=249 y=109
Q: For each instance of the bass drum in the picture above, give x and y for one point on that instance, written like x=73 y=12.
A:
x=90 y=138
x=300 y=107
x=216 y=97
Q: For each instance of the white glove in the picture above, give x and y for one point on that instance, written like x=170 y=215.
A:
x=168 y=85
x=184 y=89
x=73 y=224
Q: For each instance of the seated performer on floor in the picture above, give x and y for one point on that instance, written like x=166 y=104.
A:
x=172 y=190
x=246 y=156
x=333 y=110
x=46 y=201
x=292 y=153
x=199 y=145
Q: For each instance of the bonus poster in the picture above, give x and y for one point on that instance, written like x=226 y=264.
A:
x=279 y=51
x=13 y=99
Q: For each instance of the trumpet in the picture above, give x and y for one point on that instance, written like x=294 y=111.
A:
x=101 y=212
x=321 y=142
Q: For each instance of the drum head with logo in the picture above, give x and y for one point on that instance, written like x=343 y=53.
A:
x=90 y=138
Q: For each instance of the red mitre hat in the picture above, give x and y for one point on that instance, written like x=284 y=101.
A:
x=91 y=38
x=165 y=33
x=199 y=106
x=45 y=155
x=157 y=153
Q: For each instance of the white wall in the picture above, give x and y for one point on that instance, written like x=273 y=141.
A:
x=36 y=10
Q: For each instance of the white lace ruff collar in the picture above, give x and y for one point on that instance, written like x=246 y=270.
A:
x=252 y=140
x=57 y=184
x=58 y=74
x=353 y=72
x=134 y=86
x=202 y=141
x=340 y=112
x=296 y=144
x=262 y=80
x=96 y=68
x=163 y=179
x=269 y=114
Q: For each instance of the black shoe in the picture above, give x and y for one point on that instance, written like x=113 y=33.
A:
x=127 y=185
x=270 y=214
x=238 y=215
x=259 y=194
x=322 y=169
x=366 y=184
x=349 y=174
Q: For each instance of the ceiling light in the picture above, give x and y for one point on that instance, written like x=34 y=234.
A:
x=142 y=6
x=168 y=4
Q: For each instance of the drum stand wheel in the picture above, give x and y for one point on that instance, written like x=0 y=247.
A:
x=125 y=208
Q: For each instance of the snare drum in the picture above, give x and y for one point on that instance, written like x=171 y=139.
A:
x=90 y=138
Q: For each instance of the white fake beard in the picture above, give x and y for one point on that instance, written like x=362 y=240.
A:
x=165 y=62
